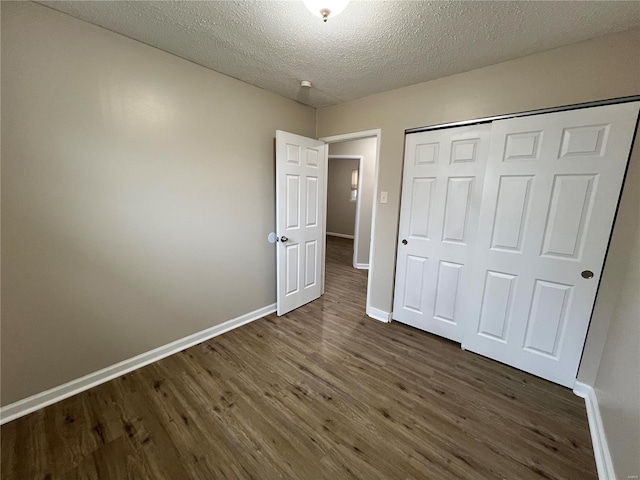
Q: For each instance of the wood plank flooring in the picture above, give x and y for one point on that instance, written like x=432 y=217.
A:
x=321 y=393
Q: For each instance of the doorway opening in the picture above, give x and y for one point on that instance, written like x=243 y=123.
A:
x=347 y=194
x=351 y=205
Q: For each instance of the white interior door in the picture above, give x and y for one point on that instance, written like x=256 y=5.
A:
x=300 y=219
x=551 y=191
x=441 y=192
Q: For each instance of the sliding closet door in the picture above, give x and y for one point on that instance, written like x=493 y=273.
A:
x=441 y=192
x=550 y=195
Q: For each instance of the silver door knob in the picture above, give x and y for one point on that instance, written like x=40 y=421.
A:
x=283 y=239
x=587 y=274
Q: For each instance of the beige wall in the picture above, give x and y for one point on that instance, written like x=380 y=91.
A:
x=137 y=195
x=617 y=383
x=341 y=211
x=366 y=147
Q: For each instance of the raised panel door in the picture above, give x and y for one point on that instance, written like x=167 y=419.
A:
x=443 y=174
x=551 y=190
x=300 y=180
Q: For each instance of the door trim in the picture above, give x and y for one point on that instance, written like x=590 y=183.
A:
x=526 y=113
x=377 y=133
x=355 y=236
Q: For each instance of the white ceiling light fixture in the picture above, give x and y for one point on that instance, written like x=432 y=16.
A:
x=325 y=8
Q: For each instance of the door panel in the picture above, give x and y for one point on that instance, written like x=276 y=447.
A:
x=300 y=218
x=313 y=195
x=311 y=256
x=512 y=208
x=456 y=209
x=496 y=305
x=414 y=297
x=443 y=174
x=551 y=189
x=547 y=315
x=420 y=213
x=292 y=201
x=447 y=291
x=570 y=211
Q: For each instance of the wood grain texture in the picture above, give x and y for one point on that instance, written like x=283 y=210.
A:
x=323 y=392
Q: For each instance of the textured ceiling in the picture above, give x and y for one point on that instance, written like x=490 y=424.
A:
x=370 y=47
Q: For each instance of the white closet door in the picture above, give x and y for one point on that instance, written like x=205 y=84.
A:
x=441 y=192
x=550 y=196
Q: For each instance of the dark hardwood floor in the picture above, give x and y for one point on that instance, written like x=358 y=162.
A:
x=323 y=392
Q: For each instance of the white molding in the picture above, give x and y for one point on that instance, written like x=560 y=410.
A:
x=356 y=239
x=352 y=136
x=325 y=162
x=362 y=266
x=374 y=216
x=601 y=451
x=341 y=235
x=378 y=314
x=48 y=397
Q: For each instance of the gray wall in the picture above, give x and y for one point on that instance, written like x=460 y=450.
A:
x=341 y=211
x=617 y=382
x=367 y=148
x=124 y=171
x=576 y=73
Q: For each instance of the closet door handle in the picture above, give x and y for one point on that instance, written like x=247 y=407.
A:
x=404 y=241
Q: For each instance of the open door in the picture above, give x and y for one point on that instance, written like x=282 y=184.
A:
x=300 y=219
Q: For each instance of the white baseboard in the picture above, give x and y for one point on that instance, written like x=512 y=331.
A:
x=43 y=399
x=361 y=266
x=341 y=235
x=378 y=314
x=598 y=437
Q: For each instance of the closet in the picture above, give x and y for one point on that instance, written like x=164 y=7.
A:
x=504 y=227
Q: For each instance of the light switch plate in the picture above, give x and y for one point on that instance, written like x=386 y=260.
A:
x=384 y=197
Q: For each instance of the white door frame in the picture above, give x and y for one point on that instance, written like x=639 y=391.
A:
x=377 y=133
x=360 y=159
